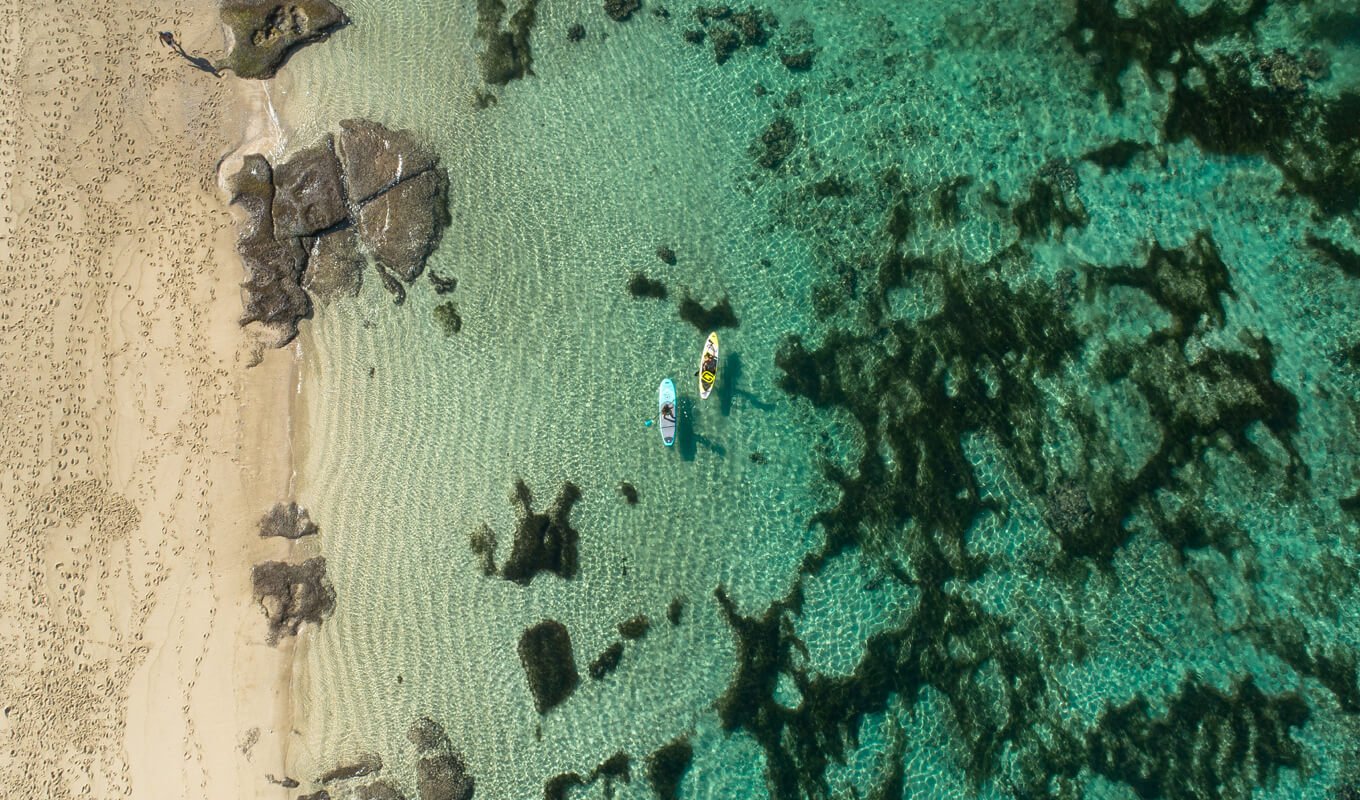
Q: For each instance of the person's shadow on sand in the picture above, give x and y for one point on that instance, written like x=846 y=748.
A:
x=168 y=39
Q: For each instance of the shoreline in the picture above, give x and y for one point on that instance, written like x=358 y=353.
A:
x=140 y=450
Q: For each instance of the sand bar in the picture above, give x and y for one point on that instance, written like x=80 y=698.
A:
x=136 y=448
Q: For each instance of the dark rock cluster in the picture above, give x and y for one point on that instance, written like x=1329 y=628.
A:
x=549 y=666
x=265 y=32
x=606 y=662
x=312 y=218
x=287 y=521
x=292 y=594
x=730 y=30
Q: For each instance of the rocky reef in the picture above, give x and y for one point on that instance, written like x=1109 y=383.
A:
x=292 y=594
x=641 y=286
x=549 y=666
x=265 y=32
x=287 y=521
x=314 y=220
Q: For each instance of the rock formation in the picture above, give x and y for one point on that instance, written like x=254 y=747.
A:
x=314 y=219
x=264 y=33
x=288 y=521
x=545 y=651
x=292 y=594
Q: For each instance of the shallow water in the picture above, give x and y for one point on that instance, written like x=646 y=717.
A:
x=1038 y=522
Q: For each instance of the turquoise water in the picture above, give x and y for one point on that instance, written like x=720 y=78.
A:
x=1027 y=471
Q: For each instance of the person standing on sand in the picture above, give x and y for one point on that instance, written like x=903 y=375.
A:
x=168 y=39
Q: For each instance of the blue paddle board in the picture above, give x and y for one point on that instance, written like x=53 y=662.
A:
x=665 y=406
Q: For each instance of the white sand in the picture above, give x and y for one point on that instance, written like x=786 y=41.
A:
x=136 y=449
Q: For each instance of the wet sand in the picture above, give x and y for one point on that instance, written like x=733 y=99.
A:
x=137 y=450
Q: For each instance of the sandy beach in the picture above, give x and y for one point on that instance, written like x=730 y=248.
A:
x=138 y=449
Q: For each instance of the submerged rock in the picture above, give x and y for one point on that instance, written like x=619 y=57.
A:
x=620 y=10
x=641 y=286
x=606 y=662
x=287 y=520
x=375 y=158
x=308 y=195
x=364 y=764
x=441 y=773
x=667 y=766
x=666 y=255
x=629 y=492
x=635 y=627
x=543 y=542
x=775 y=143
x=402 y=226
x=335 y=266
x=576 y=32
x=378 y=790
x=446 y=314
x=482 y=542
x=292 y=594
x=264 y=33
x=545 y=652
x=507 y=56
x=707 y=319
x=674 y=609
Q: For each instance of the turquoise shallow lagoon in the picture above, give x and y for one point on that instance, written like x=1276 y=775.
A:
x=1032 y=464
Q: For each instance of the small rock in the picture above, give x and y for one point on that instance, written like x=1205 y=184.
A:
x=576 y=32
x=606 y=662
x=629 y=492
x=666 y=255
x=365 y=764
x=694 y=35
x=288 y=521
x=673 y=611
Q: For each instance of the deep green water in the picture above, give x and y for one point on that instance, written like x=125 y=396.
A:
x=1031 y=468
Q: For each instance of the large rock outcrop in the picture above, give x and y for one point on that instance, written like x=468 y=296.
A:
x=545 y=651
x=264 y=32
x=292 y=594
x=313 y=220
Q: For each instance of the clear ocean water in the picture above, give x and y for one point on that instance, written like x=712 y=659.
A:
x=1032 y=466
